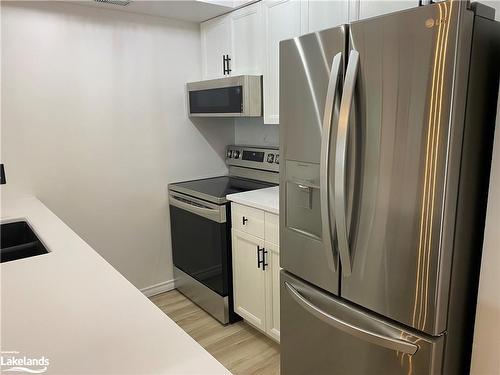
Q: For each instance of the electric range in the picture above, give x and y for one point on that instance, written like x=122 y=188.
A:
x=201 y=227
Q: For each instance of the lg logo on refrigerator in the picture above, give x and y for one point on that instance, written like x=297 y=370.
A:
x=431 y=22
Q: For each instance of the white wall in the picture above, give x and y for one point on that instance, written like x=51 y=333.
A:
x=485 y=354
x=94 y=123
x=253 y=131
x=486 y=351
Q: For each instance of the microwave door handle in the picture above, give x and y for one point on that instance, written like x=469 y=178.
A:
x=326 y=134
x=341 y=159
x=362 y=333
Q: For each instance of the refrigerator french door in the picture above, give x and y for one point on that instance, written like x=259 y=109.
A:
x=311 y=74
x=386 y=141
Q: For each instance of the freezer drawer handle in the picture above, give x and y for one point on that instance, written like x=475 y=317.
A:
x=372 y=337
x=326 y=136
x=340 y=162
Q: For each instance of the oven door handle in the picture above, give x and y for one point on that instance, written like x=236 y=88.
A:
x=207 y=210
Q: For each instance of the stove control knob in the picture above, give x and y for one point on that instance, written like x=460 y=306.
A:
x=236 y=154
x=229 y=153
x=277 y=159
x=270 y=158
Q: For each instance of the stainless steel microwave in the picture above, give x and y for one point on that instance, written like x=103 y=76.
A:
x=238 y=96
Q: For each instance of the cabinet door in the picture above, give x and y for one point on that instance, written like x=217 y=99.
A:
x=282 y=20
x=247 y=40
x=374 y=8
x=273 y=291
x=215 y=42
x=326 y=14
x=248 y=279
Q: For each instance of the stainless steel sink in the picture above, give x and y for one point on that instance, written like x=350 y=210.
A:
x=18 y=241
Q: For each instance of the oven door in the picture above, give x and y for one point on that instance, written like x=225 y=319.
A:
x=200 y=243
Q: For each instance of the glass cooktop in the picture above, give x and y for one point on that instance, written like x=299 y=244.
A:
x=215 y=189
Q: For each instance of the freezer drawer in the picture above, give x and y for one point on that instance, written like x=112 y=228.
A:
x=321 y=334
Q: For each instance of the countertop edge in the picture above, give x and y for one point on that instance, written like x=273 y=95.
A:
x=263 y=199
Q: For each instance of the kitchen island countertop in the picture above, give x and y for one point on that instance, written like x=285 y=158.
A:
x=74 y=309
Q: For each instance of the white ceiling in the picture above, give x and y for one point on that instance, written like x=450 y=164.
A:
x=186 y=10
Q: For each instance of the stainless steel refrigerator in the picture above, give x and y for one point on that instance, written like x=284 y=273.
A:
x=386 y=131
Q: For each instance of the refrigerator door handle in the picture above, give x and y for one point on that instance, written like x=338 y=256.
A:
x=340 y=162
x=324 y=161
x=364 y=334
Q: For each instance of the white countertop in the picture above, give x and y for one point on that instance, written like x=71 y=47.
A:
x=75 y=309
x=267 y=199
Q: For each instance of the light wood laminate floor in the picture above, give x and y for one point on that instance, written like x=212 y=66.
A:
x=239 y=347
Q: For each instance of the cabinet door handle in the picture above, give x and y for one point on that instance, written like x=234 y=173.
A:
x=228 y=59
x=225 y=65
x=264 y=263
x=244 y=220
x=260 y=261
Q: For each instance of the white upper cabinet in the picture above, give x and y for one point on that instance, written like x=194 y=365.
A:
x=215 y=44
x=247 y=40
x=372 y=8
x=283 y=19
x=326 y=14
x=250 y=36
x=237 y=35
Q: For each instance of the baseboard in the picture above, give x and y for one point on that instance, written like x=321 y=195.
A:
x=155 y=289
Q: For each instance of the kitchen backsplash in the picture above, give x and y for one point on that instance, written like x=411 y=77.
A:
x=253 y=131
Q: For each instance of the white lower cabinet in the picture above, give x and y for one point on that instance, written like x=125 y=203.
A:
x=273 y=291
x=256 y=275
x=249 y=280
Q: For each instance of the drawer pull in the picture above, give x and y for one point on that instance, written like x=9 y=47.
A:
x=264 y=263
x=260 y=261
x=244 y=220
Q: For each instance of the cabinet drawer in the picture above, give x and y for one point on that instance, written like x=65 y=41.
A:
x=248 y=220
x=272 y=228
